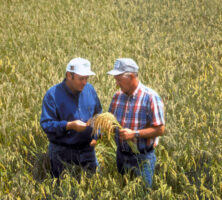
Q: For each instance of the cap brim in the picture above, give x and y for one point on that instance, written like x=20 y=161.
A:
x=115 y=72
x=85 y=73
x=82 y=72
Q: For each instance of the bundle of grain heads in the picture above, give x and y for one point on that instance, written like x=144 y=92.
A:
x=106 y=124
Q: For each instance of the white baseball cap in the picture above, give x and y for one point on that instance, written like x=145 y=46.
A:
x=123 y=65
x=80 y=66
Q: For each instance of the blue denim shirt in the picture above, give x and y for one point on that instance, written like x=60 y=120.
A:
x=60 y=105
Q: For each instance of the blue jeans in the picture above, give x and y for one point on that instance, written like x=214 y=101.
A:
x=61 y=155
x=139 y=165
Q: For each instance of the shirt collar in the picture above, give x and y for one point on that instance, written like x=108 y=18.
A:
x=136 y=90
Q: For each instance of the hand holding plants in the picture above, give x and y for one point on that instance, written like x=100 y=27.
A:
x=126 y=134
x=76 y=125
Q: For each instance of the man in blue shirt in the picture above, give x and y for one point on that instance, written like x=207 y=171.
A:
x=66 y=108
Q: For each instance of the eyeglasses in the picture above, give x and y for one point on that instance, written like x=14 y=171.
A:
x=121 y=77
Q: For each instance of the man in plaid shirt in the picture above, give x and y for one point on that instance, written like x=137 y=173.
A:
x=139 y=110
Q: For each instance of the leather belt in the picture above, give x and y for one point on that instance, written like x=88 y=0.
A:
x=144 y=151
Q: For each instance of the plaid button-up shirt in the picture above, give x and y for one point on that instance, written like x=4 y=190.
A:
x=144 y=108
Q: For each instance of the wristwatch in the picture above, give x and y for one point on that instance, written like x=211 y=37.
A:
x=137 y=134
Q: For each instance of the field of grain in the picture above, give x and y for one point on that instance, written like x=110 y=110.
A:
x=178 y=46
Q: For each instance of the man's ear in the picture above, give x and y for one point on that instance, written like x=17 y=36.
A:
x=68 y=75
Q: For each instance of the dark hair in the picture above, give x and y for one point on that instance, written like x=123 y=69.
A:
x=72 y=74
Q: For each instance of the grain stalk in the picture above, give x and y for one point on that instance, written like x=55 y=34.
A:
x=106 y=123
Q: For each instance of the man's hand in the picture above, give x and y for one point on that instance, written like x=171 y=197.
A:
x=93 y=143
x=126 y=134
x=76 y=125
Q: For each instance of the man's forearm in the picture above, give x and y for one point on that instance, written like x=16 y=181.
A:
x=152 y=132
x=58 y=127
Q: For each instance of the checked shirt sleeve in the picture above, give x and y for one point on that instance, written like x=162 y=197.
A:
x=156 y=110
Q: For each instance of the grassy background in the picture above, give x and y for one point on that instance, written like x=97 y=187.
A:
x=178 y=46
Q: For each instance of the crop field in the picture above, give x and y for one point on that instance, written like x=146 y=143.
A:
x=178 y=46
